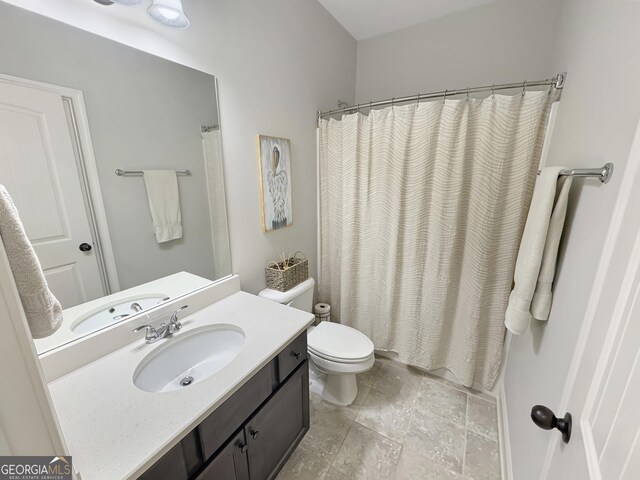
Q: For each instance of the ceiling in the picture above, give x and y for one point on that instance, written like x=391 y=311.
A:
x=368 y=18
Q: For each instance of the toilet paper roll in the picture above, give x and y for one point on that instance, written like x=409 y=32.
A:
x=322 y=311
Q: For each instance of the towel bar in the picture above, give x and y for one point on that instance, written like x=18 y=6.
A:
x=603 y=173
x=123 y=173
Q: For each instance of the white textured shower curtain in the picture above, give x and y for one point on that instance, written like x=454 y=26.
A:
x=421 y=212
x=212 y=148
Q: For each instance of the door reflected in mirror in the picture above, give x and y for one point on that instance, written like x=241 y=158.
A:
x=74 y=109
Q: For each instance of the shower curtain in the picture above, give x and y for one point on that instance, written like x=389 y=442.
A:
x=421 y=212
x=212 y=148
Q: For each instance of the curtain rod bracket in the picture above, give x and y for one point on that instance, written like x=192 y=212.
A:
x=560 y=79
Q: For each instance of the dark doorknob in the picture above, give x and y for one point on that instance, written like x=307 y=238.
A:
x=84 y=247
x=544 y=418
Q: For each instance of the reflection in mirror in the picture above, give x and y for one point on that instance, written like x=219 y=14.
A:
x=74 y=108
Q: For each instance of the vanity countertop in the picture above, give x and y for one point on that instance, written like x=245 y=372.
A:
x=114 y=430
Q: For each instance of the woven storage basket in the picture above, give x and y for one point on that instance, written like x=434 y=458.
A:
x=283 y=279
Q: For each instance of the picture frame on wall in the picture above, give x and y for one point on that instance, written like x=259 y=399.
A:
x=274 y=159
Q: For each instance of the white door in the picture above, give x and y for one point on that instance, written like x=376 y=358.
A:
x=602 y=391
x=38 y=168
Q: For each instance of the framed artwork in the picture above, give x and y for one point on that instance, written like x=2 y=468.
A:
x=274 y=157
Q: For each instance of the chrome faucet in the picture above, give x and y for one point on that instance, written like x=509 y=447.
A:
x=135 y=306
x=152 y=335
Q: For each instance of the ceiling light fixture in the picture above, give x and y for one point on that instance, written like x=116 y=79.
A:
x=169 y=13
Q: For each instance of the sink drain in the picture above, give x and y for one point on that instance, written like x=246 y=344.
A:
x=186 y=381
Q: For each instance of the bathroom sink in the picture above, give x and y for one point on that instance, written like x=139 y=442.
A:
x=114 y=312
x=188 y=358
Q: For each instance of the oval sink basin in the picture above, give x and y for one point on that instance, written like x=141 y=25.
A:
x=113 y=313
x=188 y=358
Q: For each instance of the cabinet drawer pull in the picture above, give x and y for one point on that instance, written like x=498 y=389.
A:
x=296 y=355
x=243 y=447
x=254 y=434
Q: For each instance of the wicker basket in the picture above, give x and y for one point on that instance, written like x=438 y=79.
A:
x=284 y=276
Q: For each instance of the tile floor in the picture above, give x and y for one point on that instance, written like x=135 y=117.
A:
x=403 y=425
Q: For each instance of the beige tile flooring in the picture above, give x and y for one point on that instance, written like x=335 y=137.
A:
x=403 y=425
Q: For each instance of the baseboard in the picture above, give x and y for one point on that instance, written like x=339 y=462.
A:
x=506 y=468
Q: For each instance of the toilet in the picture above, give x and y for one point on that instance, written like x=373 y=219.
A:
x=337 y=352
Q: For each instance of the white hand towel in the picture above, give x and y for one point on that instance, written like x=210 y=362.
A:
x=164 y=204
x=532 y=246
x=541 y=303
x=42 y=309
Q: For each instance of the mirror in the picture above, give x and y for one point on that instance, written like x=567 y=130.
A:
x=81 y=118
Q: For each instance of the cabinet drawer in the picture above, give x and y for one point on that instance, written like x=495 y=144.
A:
x=293 y=355
x=216 y=429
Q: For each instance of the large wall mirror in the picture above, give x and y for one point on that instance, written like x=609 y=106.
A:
x=91 y=132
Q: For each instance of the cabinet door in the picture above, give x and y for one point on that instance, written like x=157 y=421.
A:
x=230 y=463
x=170 y=467
x=277 y=428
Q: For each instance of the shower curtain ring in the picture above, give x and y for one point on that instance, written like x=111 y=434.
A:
x=493 y=91
x=467 y=94
x=524 y=87
x=444 y=97
x=418 y=100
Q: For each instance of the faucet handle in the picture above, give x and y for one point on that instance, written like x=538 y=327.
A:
x=150 y=334
x=174 y=316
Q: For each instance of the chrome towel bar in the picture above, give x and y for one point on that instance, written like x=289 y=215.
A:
x=603 y=173
x=124 y=173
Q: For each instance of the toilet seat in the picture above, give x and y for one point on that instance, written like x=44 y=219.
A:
x=339 y=343
x=340 y=368
x=339 y=360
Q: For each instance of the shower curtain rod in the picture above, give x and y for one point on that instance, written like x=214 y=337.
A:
x=556 y=82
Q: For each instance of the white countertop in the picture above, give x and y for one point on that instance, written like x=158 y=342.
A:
x=114 y=430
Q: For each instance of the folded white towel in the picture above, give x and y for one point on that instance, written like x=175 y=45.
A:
x=164 y=204
x=541 y=303
x=42 y=309
x=537 y=241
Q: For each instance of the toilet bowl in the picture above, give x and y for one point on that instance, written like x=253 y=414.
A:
x=337 y=352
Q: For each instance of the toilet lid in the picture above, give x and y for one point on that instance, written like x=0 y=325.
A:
x=334 y=340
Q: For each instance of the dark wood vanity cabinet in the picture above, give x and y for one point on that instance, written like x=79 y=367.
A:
x=253 y=433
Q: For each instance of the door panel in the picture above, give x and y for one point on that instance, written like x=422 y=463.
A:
x=230 y=463
x=38 y=168
x=602 y=390
x=279 y=425
x=615 y=421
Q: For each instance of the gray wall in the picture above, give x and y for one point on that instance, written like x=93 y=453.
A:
x=501 y=42
x=144 y=112
x=596 y=123
x=277 y=62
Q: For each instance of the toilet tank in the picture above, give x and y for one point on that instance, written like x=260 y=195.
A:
x=300 y=296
